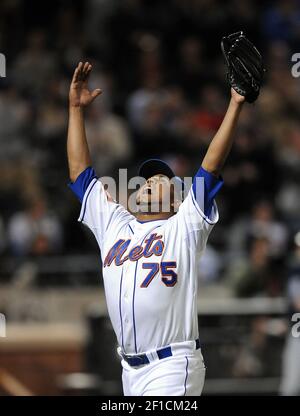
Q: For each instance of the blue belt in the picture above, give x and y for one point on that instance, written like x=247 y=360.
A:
x=142 y=359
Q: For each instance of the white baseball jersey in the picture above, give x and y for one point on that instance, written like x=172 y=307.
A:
x=149 y=268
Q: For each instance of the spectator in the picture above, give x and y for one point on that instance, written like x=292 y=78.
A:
x=282 y=20
x=35 y=65
x=262 y=224
x=254 y=275
x=210 y=266
x=34 y=231
x=15 y=117
x=109 y=140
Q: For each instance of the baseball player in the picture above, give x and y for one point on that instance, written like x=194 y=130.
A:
x=150 y=259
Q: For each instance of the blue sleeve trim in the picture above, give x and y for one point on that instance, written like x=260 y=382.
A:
x=81 y=184
x=205 y=188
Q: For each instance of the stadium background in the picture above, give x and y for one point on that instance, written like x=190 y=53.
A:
x=160 y=66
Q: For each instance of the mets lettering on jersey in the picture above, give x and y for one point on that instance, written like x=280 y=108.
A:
x=120 y=247
x=116 y=253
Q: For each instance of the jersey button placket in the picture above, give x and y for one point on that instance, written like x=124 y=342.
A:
x=127 y=306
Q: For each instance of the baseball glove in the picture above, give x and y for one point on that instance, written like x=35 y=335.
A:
x=244 y=65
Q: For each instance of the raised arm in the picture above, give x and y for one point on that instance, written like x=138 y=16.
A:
x=79 y=97
x=220 y=146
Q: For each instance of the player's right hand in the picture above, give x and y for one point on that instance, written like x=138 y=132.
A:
x=80 y=95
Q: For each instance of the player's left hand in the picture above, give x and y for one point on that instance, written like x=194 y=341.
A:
x=237 y=98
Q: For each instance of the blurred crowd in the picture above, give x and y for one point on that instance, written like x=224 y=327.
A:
x=165 y=93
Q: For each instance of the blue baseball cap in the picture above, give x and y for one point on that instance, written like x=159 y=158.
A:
x=153 y=167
